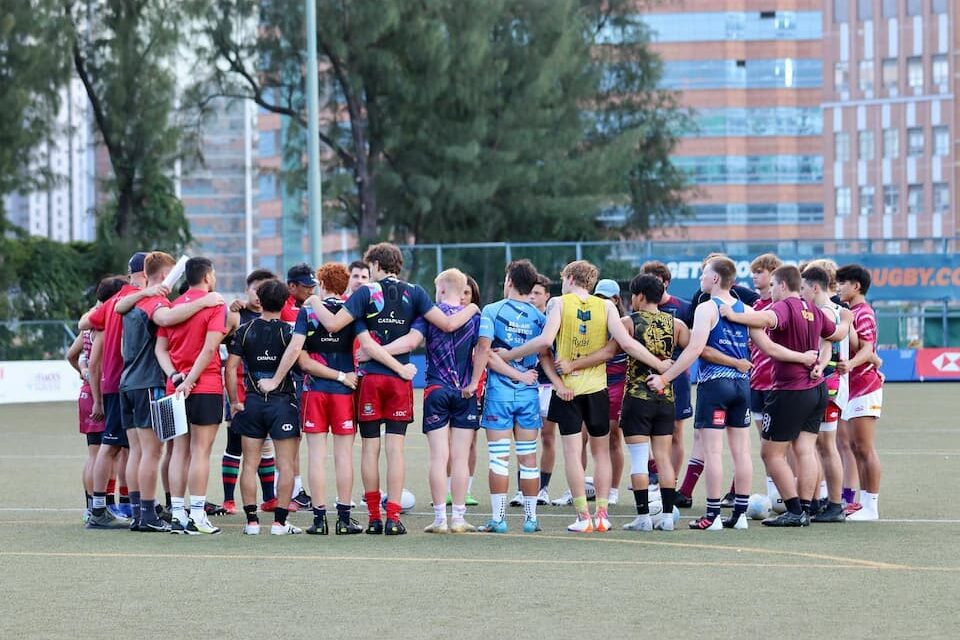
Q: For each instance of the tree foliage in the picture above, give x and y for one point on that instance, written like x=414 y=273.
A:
x=458 y=121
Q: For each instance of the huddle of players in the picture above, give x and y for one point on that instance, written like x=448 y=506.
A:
x=388 y=318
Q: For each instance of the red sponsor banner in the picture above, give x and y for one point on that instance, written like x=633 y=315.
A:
x=938 y=363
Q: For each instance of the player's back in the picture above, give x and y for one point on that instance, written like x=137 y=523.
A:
x=508 y=324
x=450 y=354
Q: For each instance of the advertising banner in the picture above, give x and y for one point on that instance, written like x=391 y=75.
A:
x=938 y=364
x=38 y=381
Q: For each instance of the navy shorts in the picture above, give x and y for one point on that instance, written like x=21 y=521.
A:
x=723 y=402
x=205 y=409
x=444 y=405
x=113 y=433
x=681 y=397
x=135 y=407
x=758 y=400
x=277 y=417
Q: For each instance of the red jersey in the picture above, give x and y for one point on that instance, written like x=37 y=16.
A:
x=185 y=342
x=800 y=326
x=761 y=374
x=104 y=318
x=290 y=310
x=865 y=378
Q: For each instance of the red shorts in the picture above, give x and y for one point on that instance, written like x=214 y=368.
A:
x=85 y=406
x=323 y=412
x=384 y=398
x=832 y=414
x=615 y=393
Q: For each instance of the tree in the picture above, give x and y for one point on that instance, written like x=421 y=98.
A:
x=463 y=120
x=124 y=52
x=32 y=71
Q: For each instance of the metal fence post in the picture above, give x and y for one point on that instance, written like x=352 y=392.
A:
x=509 y=252
x=439 y=258
x=579 y=251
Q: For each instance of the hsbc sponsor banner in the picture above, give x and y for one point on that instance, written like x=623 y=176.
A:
x=895 y=277
x=938 y=364
x=38 y=381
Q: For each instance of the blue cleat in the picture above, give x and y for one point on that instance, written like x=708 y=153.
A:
x=494 y=526
x=121 y=510
x=531 y=525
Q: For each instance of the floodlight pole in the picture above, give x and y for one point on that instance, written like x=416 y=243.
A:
x=314 y=194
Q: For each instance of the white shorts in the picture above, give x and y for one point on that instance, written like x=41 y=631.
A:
x=545 y=391
x=835 y=407
x=865 y=406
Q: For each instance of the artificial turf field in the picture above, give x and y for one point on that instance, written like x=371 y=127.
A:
x=899 y=577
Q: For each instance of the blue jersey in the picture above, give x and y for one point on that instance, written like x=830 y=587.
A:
x=387 y=310
x=509 y=324
x=728 y=338
x=449 y=355
x=332 y=349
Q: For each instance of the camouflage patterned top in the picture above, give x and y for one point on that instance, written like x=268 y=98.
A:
x=654 y=330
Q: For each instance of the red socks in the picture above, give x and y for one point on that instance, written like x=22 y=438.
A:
x=694 y=469
x=393 y=511
x=372 y=498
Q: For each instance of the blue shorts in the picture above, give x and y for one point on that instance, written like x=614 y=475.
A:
x=522 y=411
x=444 y=405
x=113 y=433
x=681 y=397
x=758 y=399
x=723 y=402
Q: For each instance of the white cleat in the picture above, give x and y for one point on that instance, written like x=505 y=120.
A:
x=741 y=522
x=614 y=496
x=863 y=515
x=543 y=497
x=517 y=499
x=581 y=526
x=640 y=523
x=564 y=500
x=251 y=529
x=277 y=529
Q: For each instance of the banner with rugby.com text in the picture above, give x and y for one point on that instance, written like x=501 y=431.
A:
x=903 y=277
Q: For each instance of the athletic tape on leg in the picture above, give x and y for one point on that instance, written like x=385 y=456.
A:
x=639 y=455
x=529 y=473
x=526 y=447
x=499 y=451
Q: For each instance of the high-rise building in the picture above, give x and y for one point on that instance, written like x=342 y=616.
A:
x=63 y=210
x=815 y=119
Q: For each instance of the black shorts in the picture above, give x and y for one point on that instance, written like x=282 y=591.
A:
x=788 y=412
x=371 y=429
x=277 y=417
x=646 y=417
x=113 y=433
x=758 y=400
x=135 y=407
x=723 y=402
x=592 y=409
x=94 y=439
x=204 y=408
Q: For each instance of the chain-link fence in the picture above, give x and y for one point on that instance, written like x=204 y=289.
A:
x=36 y=339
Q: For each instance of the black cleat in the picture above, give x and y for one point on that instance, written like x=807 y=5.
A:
x=348 y=527
x=135 y=526
x=394 y=528
x=303 y=500
x=788 y=519
x=682 y=501
x=164 y=514
x=321 y=530
x=213 y=509
x=375 y=527
x=728 y=501
x=157 y=526
x=830 y=513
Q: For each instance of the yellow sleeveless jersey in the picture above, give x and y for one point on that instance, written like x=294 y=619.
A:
x=583 y=330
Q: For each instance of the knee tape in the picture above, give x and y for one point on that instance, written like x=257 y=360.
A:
x=499 y=451
x=529 y=473
x=639 y=455
x=526 y=447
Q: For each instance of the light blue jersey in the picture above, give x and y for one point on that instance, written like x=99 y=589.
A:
x=508 y=324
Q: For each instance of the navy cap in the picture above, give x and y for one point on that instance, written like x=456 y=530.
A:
x=302 y=274
x=136 y=262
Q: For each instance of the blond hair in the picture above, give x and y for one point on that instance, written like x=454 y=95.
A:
x=582 y=273
x=765 y=262
x=454 y=279
x=827 y=265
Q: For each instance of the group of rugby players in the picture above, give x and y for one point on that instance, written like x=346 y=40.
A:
x=329 y=352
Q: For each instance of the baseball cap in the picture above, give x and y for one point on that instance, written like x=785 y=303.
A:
x=607 y=288
x=302 y=274
x=136 y=262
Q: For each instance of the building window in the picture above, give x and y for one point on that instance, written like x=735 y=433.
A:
x=864 y=10
x=865 y=76
x=841 y=77
x=843 y=201
x=938 y=6
x=941 y=141
x=841 y=11
x=866 y=201
x=891 y=143
x=914 y=7
x=914 y=142
x=941 y=197
x=915 y=199
x=939 y=70
x=268 y=227
x=890 y=73
x=915 y=71
x=890 y=8
x=891 y=200
x=867 y=145
x=841 y=147
x=267 y=187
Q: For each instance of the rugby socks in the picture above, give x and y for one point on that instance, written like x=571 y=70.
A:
x=545 y=480
x=498 y=506
x=713 y=508
x=99 y=502
x=793 y=506
x=319 y=513
x=343 y=512
x=668 y=497
x=124 y=495
x=641 y=499
x=111 y=491
x=740 y=504
x=168 y=503
x=870 y=501
x=134 y=497
x=849 y=496
x=148 y=511
x=580 y=504
x=805 y=506
x=297 y=486
x=690 y=478
x=251 y=512
x=393 y=511
x=459 y=512
x=603 y=504
x=178 y=511
x=651 y=467
x=372 y=498
x=268 y=477
x=439 y=513
x=280 y=515
x=89 y=500
x=823 y=490
x=229 y=470
x=530 y=507
x=197 y=512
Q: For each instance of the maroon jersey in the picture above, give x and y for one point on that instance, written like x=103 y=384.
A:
x=761 y=374
x=865 y=378
x=800 y=326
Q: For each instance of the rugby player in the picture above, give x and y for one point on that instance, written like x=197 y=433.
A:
x=359 y=275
